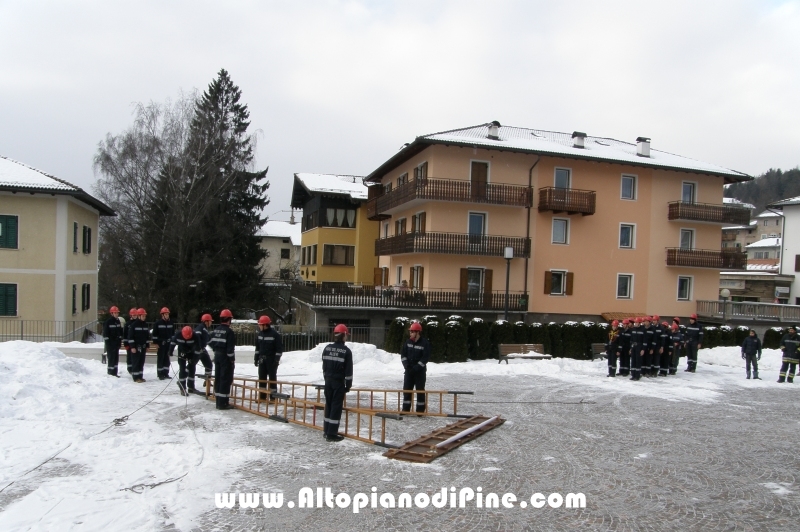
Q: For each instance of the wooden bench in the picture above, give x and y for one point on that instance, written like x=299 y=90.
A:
x=598 y=351
x=519 y=350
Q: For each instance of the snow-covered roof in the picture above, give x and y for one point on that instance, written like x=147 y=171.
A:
x=768 y=214
x=510 y=138
x=765 y=243
x=279 y=229
x=350 y=185
x=791 y=201
x=16 y=176
x=756 y=269
x=734 y=201
x=735 y=227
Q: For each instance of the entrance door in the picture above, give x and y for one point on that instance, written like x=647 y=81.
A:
x=479 y=175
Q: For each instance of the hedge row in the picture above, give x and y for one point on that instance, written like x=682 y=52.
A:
x=454 y=339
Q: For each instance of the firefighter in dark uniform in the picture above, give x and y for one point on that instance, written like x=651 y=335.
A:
x=676 y=338
x=223 y=342
x=132 y=317
x=112 y=335
x=666 y=352
x=163 y=332
x=625 y=348
x=414 y=355
x=637 y=349
x=337 y=368
x=751 y=353
x=613 y=348
x=648 y=332
x=205 y=337
x=693 y=341
x=139 y=342
x=790 y=343
x=658 y=346
x=269 y=349
x=188 y=343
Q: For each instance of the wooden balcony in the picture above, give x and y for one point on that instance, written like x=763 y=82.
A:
x=448 y=190
x=729 y=237
x=725 y=259
x=710 y=213
x=453 y=244
x=568 y=200
x=395 y=297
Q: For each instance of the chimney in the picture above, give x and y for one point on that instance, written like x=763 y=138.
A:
x=643 y=147
x=494 y=128
x=577 y=139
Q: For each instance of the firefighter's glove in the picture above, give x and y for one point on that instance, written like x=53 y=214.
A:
x=347 y=389
x=743 y=356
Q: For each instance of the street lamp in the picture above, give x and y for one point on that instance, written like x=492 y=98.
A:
x=724 y=294
x=508 y=254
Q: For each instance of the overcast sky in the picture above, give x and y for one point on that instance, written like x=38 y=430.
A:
x=338 y=87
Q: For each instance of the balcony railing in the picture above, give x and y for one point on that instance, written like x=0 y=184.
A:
x=726 y=259
x=453 y=243
x=729 y=237
x=449 y=190
x=748 y=310
x=707 y=212
x=569 y=200
x=395 y=297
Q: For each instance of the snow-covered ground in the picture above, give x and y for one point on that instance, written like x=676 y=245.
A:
x=100 y=473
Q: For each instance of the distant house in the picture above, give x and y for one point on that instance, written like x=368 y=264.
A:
x=281 y=240
x=48 y=246
x=790 y=252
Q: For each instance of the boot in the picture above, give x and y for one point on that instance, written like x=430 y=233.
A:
x=755 y=376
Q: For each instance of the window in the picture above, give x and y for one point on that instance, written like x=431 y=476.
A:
x=773 y=235
x=626 y=235
x=85 y=297
x=797 y=263
x=688 y=192
x=399 y=275
x=560 y=231
x=687 y=238
x=476 y=224
x=9 y=225
x=628 y=187
x=417 y=273
x=402 y=180
x=558 y=281
x=624 y=286
x=387 y=188
x=400 y=226
x=8 y=299
x=684 y=288
x=75 y=237
x=313 y=254
x=285 y=253
x=761 y=254
x=286 y=274
x=338 y=255
x=562 y=179
x=386 y=230
x=74 y=299
x=87 y=240
x=418 y=223
x=303 y=256
x=421 y=171
x=764 y=236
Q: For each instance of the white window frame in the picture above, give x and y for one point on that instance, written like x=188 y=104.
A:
x=563 y=291
x=630 y=286
x=569 y=178
x=694 y=190
x=694 y=238
x=566 y=232
x=691 y=287
x=633 y=236
x=485 y=215
x=635 y=179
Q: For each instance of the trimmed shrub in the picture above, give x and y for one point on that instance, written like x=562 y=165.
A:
x=521 y=333
x=537 y=334
x=727 y=336
x=556 y=347
x=480 y=339
x=573 y=336
x=502 y=332
x=457 y=348
x=711 y=337
x=396 y=334
x=772 y=338
x=437 y=336
x=740 y=333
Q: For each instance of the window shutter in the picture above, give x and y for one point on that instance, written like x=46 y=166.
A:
x=377 y=276
x=414 y=223
x=11 y=240
x=548 y=282
x=416 y=173
x=89 y=288
x=422 y=222
x=463 y=285
x=421 y=278
x=570 y=278
x=423 y=170
x=487 y=288
x=797 y=263
x=88 y=241
x=405 y=225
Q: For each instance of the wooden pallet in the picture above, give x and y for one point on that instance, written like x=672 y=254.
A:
x=441 y=441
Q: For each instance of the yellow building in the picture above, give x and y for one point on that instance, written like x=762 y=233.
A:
x=48 y=248
x=338 y=241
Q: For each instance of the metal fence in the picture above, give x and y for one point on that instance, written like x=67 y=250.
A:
x=48 y=331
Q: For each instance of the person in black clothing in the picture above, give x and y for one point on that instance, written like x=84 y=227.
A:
x=269 y=349
x=414 y=355
x=163 y=332
x=664 y=349
x=675 y=347
x=205 y=337
x=625 y=348
x=132 y=317
x=112 y=334
x=139 y=342
x=223 y=342
x=693 y=340
x=613 y=348
x=337 y=368
x=790 y=343
x=648 y=342
x=637 y=349
x=751 y=353
x=188 y=343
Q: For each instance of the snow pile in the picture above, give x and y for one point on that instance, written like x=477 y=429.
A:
x=732 y=358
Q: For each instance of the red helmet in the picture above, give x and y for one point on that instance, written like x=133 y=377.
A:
x=693 y=316
x=113 y=309
x=186 y=332
x=206 y=317
x=340 y=329
x=676 y=319
x=141 y=312
x=164 y=310
x=656 y=317
x=664 y=324
x=264 y=320
x=626 y=321
x=415 y=327
x=133 y=312
x=647 y=318
x=226 y=314
x=637 y=320
x=615 y=323
x=674 y=326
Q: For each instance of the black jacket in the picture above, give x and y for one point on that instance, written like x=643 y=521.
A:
x=223 y=342
x=337 y=362
x=163 y=331
x=268 y=345
x=789 y=345
x=205 y=336
x=751 y=346
x=625 y=339
x=694 y=333
x=187 y=348
x=415 y=355
x=112 y=330
x=138 y=333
